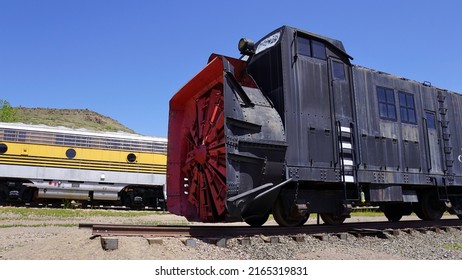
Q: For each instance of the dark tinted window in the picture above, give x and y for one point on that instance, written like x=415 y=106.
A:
x=386 y=100
x=311 y=48
x=338 y=71
x=3 y=148
x=407 y=107
x=431 y=120
x=131 y=157
x=13 y=135
x=71 y=153
x=303 y=46
x=21 y=136
x=9 y=135
x=319 y=49
x=59 y=140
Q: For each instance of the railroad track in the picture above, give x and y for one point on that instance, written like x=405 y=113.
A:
x=230 y=231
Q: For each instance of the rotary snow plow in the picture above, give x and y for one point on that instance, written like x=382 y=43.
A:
x=226 y=147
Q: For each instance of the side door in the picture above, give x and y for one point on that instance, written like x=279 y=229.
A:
x=434 y=160
x=343 y=112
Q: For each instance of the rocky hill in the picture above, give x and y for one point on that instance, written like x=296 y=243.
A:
x=72 y=118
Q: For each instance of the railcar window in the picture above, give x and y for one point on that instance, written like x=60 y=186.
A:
x=386 y=100
x=131 y=157
x=71 y=153
x=407 y=107
x=21 y=136
x=41 y=137
x=126 y=145
x=8 y=135
x=60 y=139
x=431 y=120
x=82 y=141
x=3 y=148
x=303 y=46
x=319 y=50
x=69 y=140
x=311 y=48
x=114 y=144
x=338 y=71
x=98 y=142
x=14 y=135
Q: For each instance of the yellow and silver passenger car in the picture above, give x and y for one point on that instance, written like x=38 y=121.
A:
x=40 y=163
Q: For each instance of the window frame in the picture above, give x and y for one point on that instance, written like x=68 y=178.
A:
x=14 y=135
x=316 y=48
x=407 y=109
x=303 y=47
x=336 y=66
x=433 y=117
x=386 y=103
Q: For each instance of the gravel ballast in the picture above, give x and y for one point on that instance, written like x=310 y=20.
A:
x=60 y=239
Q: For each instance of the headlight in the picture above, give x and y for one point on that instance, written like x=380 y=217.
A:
x=246 y=46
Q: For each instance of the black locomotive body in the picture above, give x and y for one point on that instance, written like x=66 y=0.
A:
x=305 y=131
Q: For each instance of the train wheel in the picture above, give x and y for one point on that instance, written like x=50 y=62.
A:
x=257 y=221
x=2 y=195
x=287 y=216
x=332 y=219
x=432 y=208
x=417 y=208
x=392 y=214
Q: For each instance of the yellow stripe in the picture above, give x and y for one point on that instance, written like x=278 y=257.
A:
x=79 y=164
x=86 y=158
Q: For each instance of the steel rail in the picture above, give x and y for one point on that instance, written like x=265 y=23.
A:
x=229 y=231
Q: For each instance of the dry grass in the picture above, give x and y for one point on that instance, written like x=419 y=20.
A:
x=72 y=118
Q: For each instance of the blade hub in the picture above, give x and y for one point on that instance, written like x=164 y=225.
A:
x=200 y=154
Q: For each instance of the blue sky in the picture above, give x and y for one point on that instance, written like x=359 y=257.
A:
x=125 y=59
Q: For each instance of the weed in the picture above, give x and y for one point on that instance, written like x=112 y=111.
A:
x=72 y=213
x=37 y=225
x=454 y=246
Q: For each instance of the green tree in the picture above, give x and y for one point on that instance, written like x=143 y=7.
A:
x=7 y=113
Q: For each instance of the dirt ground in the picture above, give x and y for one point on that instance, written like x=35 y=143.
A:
x=39 y=238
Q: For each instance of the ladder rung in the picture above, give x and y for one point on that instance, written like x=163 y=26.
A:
x=345 y=129
x=346 y=145
x=349 y=178
x=347 y=162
